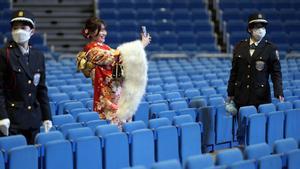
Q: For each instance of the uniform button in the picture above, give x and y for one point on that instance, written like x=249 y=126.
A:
x=248 y=86
x=29 y=94
x=262 y=85
x=248 y=76
x=29 y=81
x=249 y=66
x=12 y=105
x=29 y=107
x=19 y=70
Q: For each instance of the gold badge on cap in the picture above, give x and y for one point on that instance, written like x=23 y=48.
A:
x=21 y=13
x=259 y=16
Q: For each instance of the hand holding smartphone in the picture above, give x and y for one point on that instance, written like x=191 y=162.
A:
x=144 y=30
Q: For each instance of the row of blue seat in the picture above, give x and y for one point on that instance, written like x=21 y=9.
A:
x=114 y=142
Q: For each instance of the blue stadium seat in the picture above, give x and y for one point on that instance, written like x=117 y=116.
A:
x=116 y=148
x=58 y=154
x=188 y=111
x=266 y=108
x=155 y=98
x=64 y=128
x=292 y=127
x=189 y=140
x=142 y=113
x=78 y=95
x=74 y=134
x=167 y=164
x=275 y=126
x=293 y=159
x=245 y=164
x=72 y=105
x=9 y=142
x=166 y=149
x=190 y=93
x=88 y=153
x=178 y=105
x=43 y=138
x=104 y=130
x=23 y=157
x=256 y=122
x=139 y=140
x=169 y=114
x=224 y=126
x=87 y=116
x=155 y=108
x=93 y=124
x=207 y=115
x=257 y=151
x=285 y=145
x=62 y=119
x=270 y=162
x=283 y=106
x=76 y=111
x=179 y=120
x=229 y=156
x=2 y=162
x=67 y=88
x=201 y=161
x=132 y=126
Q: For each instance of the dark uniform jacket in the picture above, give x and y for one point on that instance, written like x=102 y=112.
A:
x=248 y=81
x=23 y=93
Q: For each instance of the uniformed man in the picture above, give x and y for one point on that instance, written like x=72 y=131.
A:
x=24 y=103
x=254 y=60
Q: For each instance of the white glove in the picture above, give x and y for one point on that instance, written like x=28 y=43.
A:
x=47 y=125
x=4 y=126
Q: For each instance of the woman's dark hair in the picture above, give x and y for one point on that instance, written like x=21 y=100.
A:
x=91 y=25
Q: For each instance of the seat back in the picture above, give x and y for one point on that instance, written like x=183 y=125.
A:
x=43 y=138
x=9 y=142
x=132 y=126
x=88 y=153
x=189 y=140
x=293 y=159
x=139 y=140
x=23 y=157
x=245 y=164
x=62 y=119
x=166 y=143
x=257 y=151
x=58 y=154
x=179 y=120
x=200 y=161
x=155 y=123
x=230 y=156
x=116 y=151
x=285 y=145
x=87 y=116
x=168 y=164
x=270 y=162
x=104 y=130
x=74 y=134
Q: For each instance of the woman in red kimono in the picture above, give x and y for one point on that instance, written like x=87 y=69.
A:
x=119 y=76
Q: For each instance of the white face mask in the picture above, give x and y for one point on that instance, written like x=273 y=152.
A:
x=259 y=33
x=21 y=36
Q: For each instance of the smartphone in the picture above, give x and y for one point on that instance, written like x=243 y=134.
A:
x=144 y=30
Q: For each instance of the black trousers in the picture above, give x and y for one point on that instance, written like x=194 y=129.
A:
x=29 y=134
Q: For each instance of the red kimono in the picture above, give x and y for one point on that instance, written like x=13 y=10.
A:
x=107 y=90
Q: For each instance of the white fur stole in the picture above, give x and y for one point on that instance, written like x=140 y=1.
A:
x=135 y=68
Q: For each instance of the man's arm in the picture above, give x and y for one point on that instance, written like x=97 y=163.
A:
x=42 y=94
x=3 y=69
x=233 y=75
x=276 y=73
